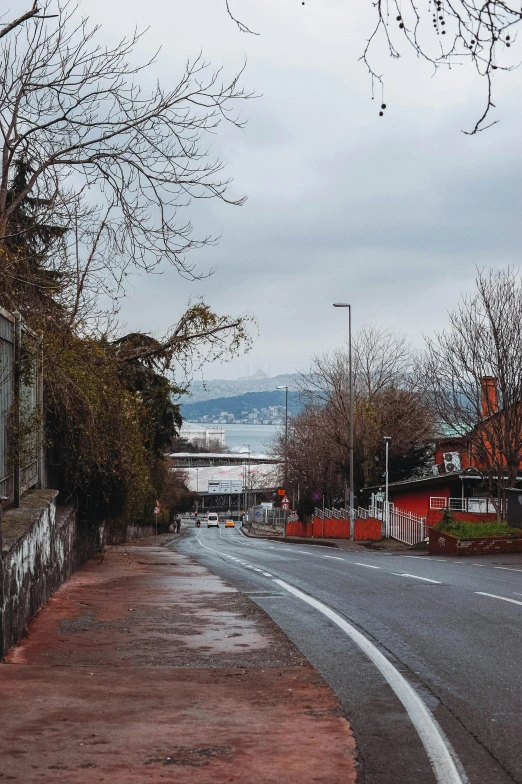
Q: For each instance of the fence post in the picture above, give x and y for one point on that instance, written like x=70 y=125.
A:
x=16 y=406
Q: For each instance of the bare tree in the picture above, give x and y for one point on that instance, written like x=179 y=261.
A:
x=444 y=33
x=199 y=336
x=475 y=376
x=387 y=401
x=95 y=143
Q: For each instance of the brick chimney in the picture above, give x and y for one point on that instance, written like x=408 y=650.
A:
x=489 y=396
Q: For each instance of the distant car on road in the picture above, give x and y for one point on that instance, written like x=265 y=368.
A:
x=212 y=520
x=229 y=524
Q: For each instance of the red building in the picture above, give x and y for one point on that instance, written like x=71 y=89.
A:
x=457 y=481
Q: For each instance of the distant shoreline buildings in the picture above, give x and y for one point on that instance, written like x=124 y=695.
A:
x=271 y=415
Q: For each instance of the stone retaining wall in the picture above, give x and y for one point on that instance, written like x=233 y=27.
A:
x=39 y=553
x=42 y=545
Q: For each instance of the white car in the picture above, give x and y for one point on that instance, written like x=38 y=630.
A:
x=212 y=520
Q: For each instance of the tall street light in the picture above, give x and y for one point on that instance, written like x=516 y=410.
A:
x=352 y=510
x=386 y=440
x=285 y=481
x=246 y=473
x=286 y=435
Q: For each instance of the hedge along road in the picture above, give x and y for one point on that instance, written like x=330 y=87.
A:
x=424 y=654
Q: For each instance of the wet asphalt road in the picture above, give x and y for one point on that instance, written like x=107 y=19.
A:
x=459 y=648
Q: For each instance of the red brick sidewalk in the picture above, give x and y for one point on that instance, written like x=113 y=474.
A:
x=145 y=667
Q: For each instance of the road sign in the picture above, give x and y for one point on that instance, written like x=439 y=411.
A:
x=316 y=495
x=285 y=500
x=281 y=491
x=157 y=508
x=285 y=505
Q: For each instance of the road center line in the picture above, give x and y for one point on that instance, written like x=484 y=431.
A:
x=368 y=566
x=416 y=577
x=494 y=596
x=507 y=568
x=333 y=557
x=445 y=763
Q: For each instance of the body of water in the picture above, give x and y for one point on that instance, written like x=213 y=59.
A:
x=258 y=436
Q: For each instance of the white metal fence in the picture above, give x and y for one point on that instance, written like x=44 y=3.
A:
x=406 y=526
x=399 y=524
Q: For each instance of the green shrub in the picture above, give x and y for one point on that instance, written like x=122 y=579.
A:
x=468 y=530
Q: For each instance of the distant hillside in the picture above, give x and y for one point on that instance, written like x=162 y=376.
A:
x=251 y=406
x=221 y=388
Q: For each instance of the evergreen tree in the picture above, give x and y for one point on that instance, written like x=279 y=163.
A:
x=28 y=276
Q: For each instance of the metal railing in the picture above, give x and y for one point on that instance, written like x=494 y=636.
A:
x=405 y=526
x=476 y=505
x=21 y=408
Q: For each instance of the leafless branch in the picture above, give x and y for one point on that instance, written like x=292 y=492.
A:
x=33 y=12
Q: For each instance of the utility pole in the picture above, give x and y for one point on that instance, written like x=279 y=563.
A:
x=285 y=481
x=245 y=475
x=387 y=440
x=350 y=404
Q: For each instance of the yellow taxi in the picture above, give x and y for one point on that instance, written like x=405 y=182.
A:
x=229 y=524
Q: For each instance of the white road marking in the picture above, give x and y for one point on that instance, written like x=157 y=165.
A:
x=482 y=565
x=416 y=577
x=334 y=557
x=415 y=556
x=267 y=574
x=368 y=566
x=445 y=763
x=494 y=596
x=303 y=552
x=507 y=568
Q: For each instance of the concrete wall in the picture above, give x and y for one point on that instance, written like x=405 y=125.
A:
x=264 y=529
x=42 y=546
x=39 y=553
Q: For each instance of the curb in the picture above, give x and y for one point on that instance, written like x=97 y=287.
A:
x=287 y=540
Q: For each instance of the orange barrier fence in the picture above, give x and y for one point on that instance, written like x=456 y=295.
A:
x=336 y=529
x=299 y=529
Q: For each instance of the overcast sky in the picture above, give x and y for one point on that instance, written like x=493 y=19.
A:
x=391 y=214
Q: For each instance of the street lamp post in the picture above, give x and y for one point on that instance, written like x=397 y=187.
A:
x=352 y=510
x=246 y=477
x=285 y=481
x=387 y=440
